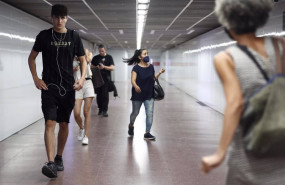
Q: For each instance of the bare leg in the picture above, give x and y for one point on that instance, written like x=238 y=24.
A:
x=76 y=111
x=50 y=139
x=62 y=137
x=87 y=107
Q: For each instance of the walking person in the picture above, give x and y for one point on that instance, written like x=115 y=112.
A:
x=240 y=78
x=85 y=94
x=142 y=80
x=106 y=64
x=58 y=45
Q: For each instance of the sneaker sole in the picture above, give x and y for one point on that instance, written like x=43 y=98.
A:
x=48 y=172
x=60 y=168
x=149 y=138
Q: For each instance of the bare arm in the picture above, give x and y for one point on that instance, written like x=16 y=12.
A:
x=109 y=68
x=39 y=83
x=234 y=106
x=133 y=81
x=79 y=84
x=159 y=73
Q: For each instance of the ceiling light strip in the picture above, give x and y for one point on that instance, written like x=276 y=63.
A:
x=225 y=44
x=12 y=36
x=77 y=23
x=141 y=16
x=114 y=37
x=173 y=39
x=200 y=20
x=117 y=40
x=97 y=37
x=47 y=2
x=190 y=2
x=156 y=40
x=95 y=14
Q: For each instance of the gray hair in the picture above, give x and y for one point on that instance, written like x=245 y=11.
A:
x=243 y=16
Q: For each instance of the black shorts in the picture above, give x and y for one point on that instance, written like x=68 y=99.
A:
x=55 y=107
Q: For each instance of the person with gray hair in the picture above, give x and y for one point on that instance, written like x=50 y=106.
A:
x=240 y=78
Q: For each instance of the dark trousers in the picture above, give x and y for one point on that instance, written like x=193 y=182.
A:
x=102 y=97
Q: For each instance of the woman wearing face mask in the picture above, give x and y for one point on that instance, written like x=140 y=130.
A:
x=142 y=91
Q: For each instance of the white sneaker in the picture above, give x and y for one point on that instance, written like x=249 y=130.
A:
x=85 y=140
x=80 y=134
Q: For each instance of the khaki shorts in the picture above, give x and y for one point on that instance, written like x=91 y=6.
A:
x=86 y=92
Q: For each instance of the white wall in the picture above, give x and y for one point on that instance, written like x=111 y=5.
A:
x=194 y=73
x=121 y=69
x=20 y=102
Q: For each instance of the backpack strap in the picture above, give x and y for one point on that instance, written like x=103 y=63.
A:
x=246 y=51
x=280 y=59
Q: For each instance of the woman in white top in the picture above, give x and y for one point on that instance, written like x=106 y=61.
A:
x=87 y=94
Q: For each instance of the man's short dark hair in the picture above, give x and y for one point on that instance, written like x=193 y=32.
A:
x=59 y=10
x=101 y=46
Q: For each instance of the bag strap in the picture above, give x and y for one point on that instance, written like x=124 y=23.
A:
x=280 y=59
x=245 y=49
x=156 y=80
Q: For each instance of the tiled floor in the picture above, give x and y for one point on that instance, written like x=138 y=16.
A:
x=185 y=131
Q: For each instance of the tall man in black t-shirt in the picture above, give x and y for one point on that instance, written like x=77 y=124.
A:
x=58 y=45
x=106 y=64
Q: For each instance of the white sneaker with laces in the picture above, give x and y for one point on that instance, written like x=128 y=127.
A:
x=80 y=134
x=85 y=140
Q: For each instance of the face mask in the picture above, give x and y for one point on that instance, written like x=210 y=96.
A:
x=146 y=59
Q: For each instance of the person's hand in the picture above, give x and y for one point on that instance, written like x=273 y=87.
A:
x=101 y=66
x=162 y=71
x=79 y=84
x=137 y=89
x=92 y=66
x=211 y=161
x=40 y=84
x=76 y=69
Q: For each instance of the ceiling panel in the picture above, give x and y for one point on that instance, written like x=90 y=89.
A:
x=170 y=30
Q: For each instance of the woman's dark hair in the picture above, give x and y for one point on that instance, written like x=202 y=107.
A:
x=59 y=10
x=135 y=59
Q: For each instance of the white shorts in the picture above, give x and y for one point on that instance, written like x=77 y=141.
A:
x=87 y=91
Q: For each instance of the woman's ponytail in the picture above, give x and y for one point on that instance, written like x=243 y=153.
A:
x=135 y=59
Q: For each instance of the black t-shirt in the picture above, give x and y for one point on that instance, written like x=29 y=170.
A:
x=107 y=61
x=58 y=56
x=145 y=80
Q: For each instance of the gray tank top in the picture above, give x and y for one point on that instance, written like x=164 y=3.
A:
x=249 y=76
x=243 y=168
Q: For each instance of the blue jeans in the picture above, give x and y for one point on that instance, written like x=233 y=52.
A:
x=148 y=104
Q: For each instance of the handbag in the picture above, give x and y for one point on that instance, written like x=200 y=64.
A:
x=263 y=117
x=158 y=93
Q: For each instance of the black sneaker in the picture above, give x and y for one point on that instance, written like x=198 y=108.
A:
x=149 y=136
x=50 y=170
x=105 y=114
x=131 y=130
x=59 y=163
x=100 y=112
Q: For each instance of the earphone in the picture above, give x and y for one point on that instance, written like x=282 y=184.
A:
x=55 y=39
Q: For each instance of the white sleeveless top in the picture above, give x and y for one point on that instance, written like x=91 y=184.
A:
x=77 y=74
